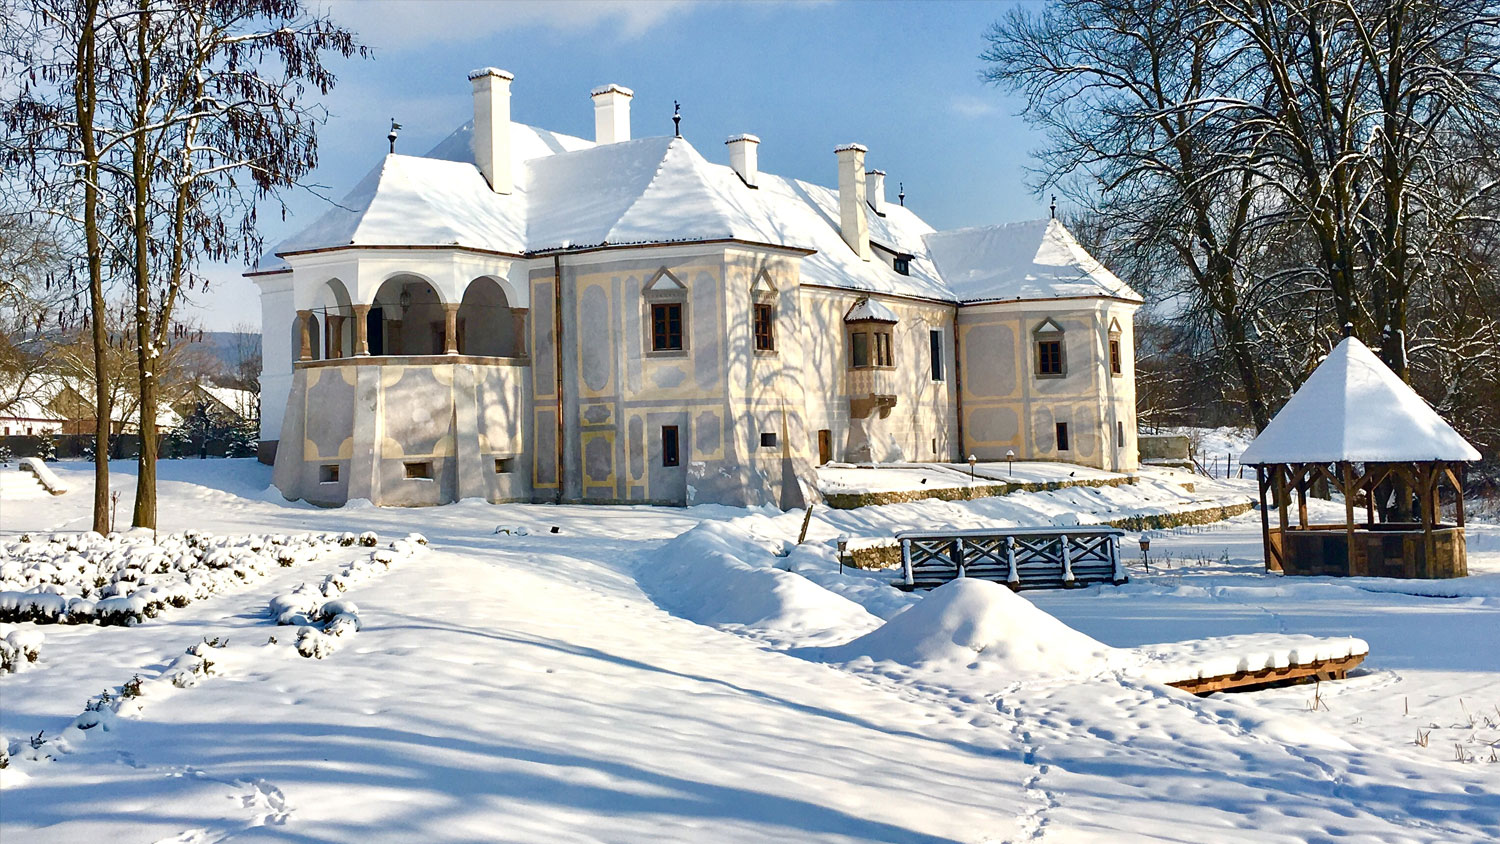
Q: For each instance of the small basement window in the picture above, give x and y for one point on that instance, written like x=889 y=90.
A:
x=669 y=453
x=1062 y=436
x=419 y=471
x=768 y=439
x=328 y=473
x=505 y=465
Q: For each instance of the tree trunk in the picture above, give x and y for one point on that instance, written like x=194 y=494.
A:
x=84 y=99
x=146 y=357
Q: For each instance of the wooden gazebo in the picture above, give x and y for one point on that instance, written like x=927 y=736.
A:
x=1358 y=427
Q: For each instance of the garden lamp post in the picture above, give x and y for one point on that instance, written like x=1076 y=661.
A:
x=972 y=461
x=1145 y=549
x=1010 y=461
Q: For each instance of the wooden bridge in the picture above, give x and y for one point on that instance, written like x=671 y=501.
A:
x=1022 y=558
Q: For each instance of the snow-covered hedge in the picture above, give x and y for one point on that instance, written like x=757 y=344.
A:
x=81 y=578
x=320 y=615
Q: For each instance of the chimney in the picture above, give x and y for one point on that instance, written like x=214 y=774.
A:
x=491 y=138
x=742 y=157
x=611 y=113
x=875 y=190
x=854 y=225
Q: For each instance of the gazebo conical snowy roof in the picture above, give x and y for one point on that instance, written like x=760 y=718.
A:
x=1353 y=408
x=1357 y=425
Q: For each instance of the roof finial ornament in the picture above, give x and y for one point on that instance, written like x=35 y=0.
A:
x=1348 y=329
x=1052 y=210
x=901 y=197
x=395 y=130
x=676 y=119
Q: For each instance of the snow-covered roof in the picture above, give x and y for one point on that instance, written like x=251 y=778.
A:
x=238 y=401
x=571 y=193
x=869 y=309
x=1354 y=408
x=1037 y=259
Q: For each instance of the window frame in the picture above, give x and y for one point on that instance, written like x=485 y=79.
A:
x=901 y=264
x=667 y=302
x=763 y=342
x=879 y=339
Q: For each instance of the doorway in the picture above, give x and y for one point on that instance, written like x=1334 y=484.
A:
x=825 y=447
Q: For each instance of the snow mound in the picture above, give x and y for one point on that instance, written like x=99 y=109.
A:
x=970 y=623
x=724 y=573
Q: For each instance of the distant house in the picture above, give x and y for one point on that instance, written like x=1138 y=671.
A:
x=73 y=401
x=525 y=315
x=241 y=406
x=28 y=417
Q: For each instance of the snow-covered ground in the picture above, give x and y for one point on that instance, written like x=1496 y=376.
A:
x=625 y=679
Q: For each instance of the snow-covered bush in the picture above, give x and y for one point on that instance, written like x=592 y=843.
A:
x=316 y=609
x=124 y=579
x=18 y=647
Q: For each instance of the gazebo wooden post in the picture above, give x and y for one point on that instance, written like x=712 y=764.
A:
x=1301 y=483
x=1458 y=487
x=1265 y=519
x=1346 y=471
x=1282 y=471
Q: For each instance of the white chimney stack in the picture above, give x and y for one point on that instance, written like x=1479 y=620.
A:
x=743 y=158
x=854 y=225
x=611 y=113
x=875 y=187
x=491 y=138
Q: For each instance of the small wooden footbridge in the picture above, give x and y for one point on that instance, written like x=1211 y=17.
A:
x=1021 y=558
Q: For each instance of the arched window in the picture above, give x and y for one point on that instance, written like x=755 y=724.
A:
x=485 y=324
x=1051 y=352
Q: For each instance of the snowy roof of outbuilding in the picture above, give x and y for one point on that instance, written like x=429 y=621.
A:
x=1353 y=408
x=570 y=193
x=1037 y=259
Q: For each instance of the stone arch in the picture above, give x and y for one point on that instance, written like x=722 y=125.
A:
x=487 y=324
x=334 y=307
x=406 y=317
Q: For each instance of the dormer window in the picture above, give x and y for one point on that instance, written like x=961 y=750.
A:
x=902 y=264
x=1051 y=360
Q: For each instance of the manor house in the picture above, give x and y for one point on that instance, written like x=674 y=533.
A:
x=521 y=315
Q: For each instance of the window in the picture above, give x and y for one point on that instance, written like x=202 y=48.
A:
x=768 y=439
x=1119 y=434
x=859 y=350
x=420 y=471
x=666 y=327
x=1062 y=436
x=1050 y=360
x=883 y=353
x=935 y=349
x=669 y=455
x=505 y=465
x=765 y=327
x=1114 y=355
x=902 y=264
x=1049 y=357
x=328 y=473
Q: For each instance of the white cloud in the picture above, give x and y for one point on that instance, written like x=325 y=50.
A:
x=413 y=24
x=968 y=105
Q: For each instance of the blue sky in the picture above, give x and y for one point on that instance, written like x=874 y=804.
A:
x=902 y=78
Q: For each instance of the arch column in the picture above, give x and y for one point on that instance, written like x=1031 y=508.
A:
x=450 y=329
x=362 y=330
x=305 y=349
